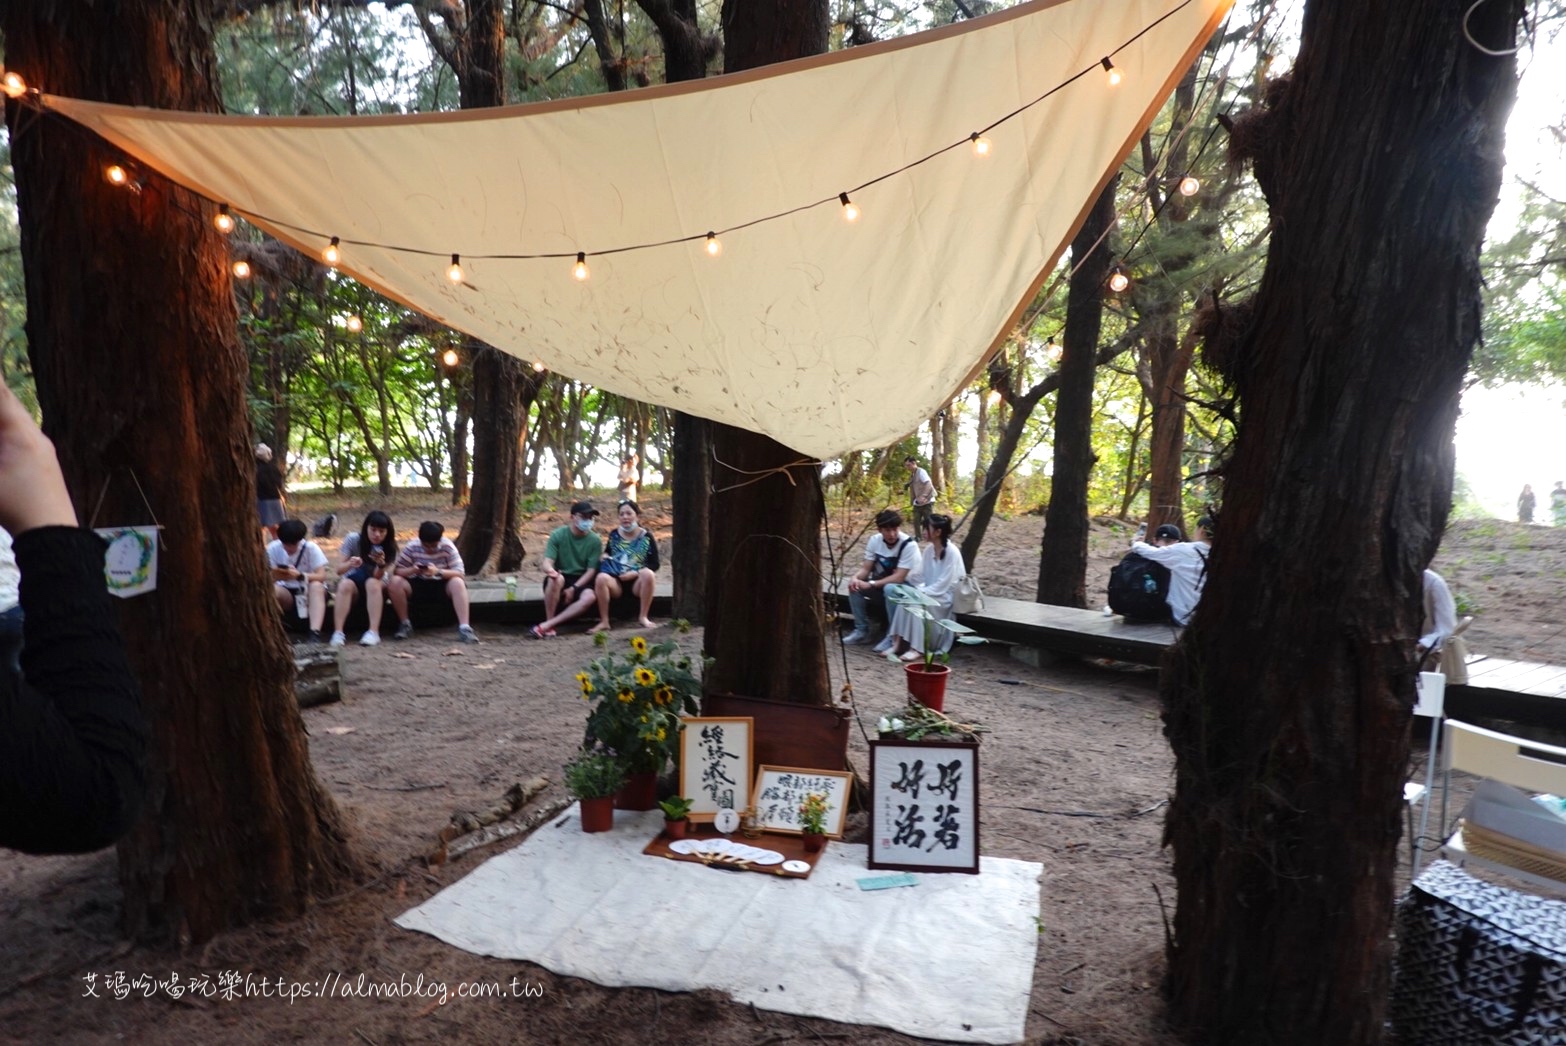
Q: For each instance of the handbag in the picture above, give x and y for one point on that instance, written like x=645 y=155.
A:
x=1454 y=661
x=967 y=596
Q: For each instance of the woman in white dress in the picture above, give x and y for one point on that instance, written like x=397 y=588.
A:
x=942 y=568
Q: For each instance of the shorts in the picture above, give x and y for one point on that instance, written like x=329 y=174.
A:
x=428 y=589
x=271 y=511
x=359 y=576
x=567 y=580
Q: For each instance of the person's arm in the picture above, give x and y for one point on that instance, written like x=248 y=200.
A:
x=404 y=567
x=652 y=553
x=349 y=559
x=861 y=578
x=315 y=563
x=1165 y=554
x=455 y=567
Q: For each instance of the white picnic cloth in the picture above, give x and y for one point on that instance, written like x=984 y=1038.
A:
x=949 y=958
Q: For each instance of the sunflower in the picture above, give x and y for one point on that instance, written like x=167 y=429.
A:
x=663 y=695
x=587 y=688
x=585 y=680
x=626 y=695
x=639 y=645
x=645 y=676
x=661 y=734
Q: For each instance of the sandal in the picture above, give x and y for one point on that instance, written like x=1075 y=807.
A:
x=539 y=632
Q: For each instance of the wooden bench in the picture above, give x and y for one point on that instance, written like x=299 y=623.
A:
x=488 y=605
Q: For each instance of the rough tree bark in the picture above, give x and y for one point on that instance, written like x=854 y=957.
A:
x=765 y=621
x=1287 y=701
x=1063 y=557
x=121 y=283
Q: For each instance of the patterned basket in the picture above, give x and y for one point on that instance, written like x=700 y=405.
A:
x=1524 y=856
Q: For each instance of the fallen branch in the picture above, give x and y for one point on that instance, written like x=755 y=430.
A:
x=516 y=797
x=495 y=833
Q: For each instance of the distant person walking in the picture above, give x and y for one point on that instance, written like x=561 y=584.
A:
x=1558 y=504
x=269 y=490
x=1525 y=503
x=921 y=491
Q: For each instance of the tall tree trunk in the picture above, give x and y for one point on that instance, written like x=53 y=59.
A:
x=692 y=493
x=1063 y=558
x=765 y=622
x=1287 y=700
x=238 y=827
x=1169 y=361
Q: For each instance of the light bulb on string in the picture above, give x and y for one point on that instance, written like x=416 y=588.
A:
x=850 y=208
x=354 y=324
x=1118 y=280
x=241 y=269
x=116 y=175
x=538 y=365
x=454 y=270
x=450 y=358
x=13 y=85
x=222 y=221
x=1052 y=350
x=333 y=253
x=579 y=270
x=1109 y=67
x=1189 y=186
x=714 y=245
x=993 y=397
x=981 y=144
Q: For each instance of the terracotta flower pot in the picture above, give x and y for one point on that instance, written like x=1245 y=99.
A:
x=927 y=684
x=677 y=829
x=597 y=814
x=640 y=791
x=814 y=841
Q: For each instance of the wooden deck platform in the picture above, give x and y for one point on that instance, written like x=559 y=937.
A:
x=1521 y=691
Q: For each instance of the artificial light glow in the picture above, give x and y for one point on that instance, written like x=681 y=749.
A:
x=1052 y=350
x=454 y=272
x=450 y=357
x=579 y=270
x=332 y=254
x=1189 y=186
x=994 y=397
x=1119 y=281
x=114 y=174
x=222 y=220
x=981 y=144
x=242 y=269
x=354 y=324
x=538 y=365
x=850 y=208
x=714 y=245
x=13 y=85
x=1109 y=67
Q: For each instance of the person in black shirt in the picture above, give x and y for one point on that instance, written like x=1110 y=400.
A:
x=73 y=741
x=269 y=490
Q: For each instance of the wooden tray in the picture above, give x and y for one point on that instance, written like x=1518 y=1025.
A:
x=792 y=847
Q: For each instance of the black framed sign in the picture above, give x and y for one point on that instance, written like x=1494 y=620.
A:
x=924 y=806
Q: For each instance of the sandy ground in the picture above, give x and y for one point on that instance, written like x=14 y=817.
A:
x=1075 y=776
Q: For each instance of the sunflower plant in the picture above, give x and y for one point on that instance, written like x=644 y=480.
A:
x=637 y=699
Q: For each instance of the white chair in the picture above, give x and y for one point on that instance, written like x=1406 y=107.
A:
x=1430 y=688
x=1515 y=761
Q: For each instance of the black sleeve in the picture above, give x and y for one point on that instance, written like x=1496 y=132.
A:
x=73 y=742
x=652 y=553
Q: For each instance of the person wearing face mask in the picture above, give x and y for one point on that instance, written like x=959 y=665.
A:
x=570 y=564
x=629 y=564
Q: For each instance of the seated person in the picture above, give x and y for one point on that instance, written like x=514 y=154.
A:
x=1440 y=619
x=570 y=566
x=891 y=558
x=941 y=570
x=364 y=559
x=298 y=574
x=1187 y=564
x=428 y=570
x=630 y=563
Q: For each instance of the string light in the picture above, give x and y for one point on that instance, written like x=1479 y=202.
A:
x=116 y=175
x=1118 y=280
x=241 y=269
x=579 y=270
x=1114 y=74
x=354 y=324
x=450 y=358
x=13 y=85
x=994 y=397
x=222 y=220
x=850 y=208
x=1189 y=186
x=454 y=271
x=714 y=245
x=333 y=253
x=1052 y=350
x=538 y=365
x=981 y=144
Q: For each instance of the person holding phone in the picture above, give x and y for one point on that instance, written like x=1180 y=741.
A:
x=363 y=562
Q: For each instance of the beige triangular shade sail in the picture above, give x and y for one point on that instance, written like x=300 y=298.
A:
x=828 y=336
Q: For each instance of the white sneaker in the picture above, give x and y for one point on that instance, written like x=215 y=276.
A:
x=886 y=644
x=854 y=638
x=370 y=639
x=338 y=639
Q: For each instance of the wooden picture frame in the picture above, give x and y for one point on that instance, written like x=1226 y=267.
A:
x=717 y=756
x=924 y=806
x=780 y=789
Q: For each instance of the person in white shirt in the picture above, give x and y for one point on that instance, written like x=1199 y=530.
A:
x=298 y=573
x=1440 y=619
x=942 y=567
x=1187 y=563
x=891 y=558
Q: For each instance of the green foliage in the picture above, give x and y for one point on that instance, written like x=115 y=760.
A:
x=637 y=701
x=594 y=774
x=676 y=807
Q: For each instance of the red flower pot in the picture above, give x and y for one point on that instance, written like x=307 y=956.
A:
x=927 y=684
x=813 y=841
x=597 y=814
x=677 y=829
x=640 y=792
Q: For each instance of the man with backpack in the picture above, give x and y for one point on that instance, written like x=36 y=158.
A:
x=1185 y=561
x=891 y=558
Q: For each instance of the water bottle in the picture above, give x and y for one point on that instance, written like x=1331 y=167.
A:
x=511 y=590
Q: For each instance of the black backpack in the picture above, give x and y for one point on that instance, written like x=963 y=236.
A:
x=1139 y=589
x=322 y=528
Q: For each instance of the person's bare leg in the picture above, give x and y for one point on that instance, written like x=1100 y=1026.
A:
x=646 y=585
x=583 y=602
x=457 y=591
x=399 y=589
x=606 y=589
x=346 y=591
x=374 y=603
x=285 y=599
x=552 y=589
x=317 y=600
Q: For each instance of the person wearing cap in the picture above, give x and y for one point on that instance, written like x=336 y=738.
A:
x=269 y=490
x=570 y=563
x=891 y=558
x=1186 y=561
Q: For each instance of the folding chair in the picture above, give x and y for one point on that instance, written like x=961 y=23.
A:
x=1518 y=762
x=1431 y=690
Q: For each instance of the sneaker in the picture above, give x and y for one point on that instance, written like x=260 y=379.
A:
x=370 y=639
x=886 y=644
x=316 y=639
x=404 y=630
x=338 y=639
x=854 y=638
x=467 y=634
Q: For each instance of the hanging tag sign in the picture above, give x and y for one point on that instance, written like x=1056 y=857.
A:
x=131 y=565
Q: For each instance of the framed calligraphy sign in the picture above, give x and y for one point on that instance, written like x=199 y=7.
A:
x=924 y=806
x=780 y=790
x=716 y=763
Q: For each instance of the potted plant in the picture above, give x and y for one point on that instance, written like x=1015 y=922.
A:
x=593 y=777
x=812 y=821
x=927 y=678
x=637 y=699
x=676 y=816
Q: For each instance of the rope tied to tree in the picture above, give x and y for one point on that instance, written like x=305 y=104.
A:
x=757 y=475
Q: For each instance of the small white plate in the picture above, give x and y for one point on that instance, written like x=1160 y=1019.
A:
x=796 y=866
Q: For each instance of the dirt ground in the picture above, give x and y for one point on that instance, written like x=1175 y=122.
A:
x=1075 y=775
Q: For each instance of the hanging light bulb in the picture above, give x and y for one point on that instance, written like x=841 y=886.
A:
x=354 y=324
x=116 y=175
x=454 y=271
x=579 y=270
x=981 y=144
x=450 y=358
x=1118 y=280
x=13 y=85
x=333 y=253
x=993 y=397
x=1189 y=186
x=241 y=269
x=1109 y=67
x=1052 y=350
x=538 y=365
x=222 y=220
x=850 y=208
x=714 y=245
